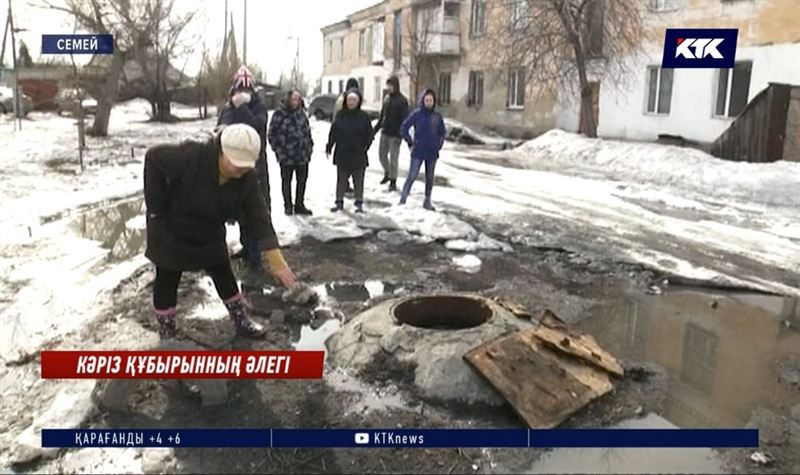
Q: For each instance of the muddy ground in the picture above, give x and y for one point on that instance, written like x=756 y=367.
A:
x=572 y=285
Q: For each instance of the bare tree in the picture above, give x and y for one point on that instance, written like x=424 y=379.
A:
x=156 y=29
x=561 y=43
x=419 y=63
x=98 y=16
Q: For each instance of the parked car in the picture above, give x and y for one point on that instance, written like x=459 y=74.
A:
x=7 y=101
x=321 y=107
x=67 y=101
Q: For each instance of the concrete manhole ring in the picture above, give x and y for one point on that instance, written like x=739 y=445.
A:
x=442 y=312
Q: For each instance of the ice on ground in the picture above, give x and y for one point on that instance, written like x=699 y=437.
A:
x=137 y=223
x=39 y=179
x=439 y=226
x=683 y=168
x=398 y=238
x=483 y=243
x=71 y=405
x=468 y=263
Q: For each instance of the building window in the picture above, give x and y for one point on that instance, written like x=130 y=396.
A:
x=444 y=89
x=378 y=31
x=475 y=89
x=361 y=84
x=516 y=89
x=478 y=21
x=330 y=87
x=733 y=88
x=397 y=35
x=452 y=9
x=519 y=11
x=341 y=86
x=659 y=6
x=699 y=361
x=378 y=97
x=659 y=89
x=341 y=48
x=362 y=42
x=330 y=51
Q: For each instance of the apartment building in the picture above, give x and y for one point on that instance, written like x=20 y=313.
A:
x=438 y=44
x=444 y=45
x=697 y=104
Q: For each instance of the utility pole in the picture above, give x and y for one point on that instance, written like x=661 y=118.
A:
x=244 y=36
x=14 y=65
x=225 y=20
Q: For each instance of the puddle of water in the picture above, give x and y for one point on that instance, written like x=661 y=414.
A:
x=629 y=460
x=115 y=227
x=353 y=292
x=314 y=338
x=720 y=350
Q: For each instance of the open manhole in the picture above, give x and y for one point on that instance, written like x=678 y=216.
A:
x=442 y=312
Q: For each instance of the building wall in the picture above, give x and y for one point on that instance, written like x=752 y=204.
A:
x=768 y=36
x=791 y=147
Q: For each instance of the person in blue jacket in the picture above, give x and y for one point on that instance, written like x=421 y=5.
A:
x=429 y=133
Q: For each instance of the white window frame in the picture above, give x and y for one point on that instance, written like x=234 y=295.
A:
x=472 y=89
x=362 y=42
x=728 y=90
x=449 y=95
x=378 y=94
x=477 y=5
x=515 y=102
x=656 y=103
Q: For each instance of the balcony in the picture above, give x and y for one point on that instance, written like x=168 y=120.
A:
x=439 y=29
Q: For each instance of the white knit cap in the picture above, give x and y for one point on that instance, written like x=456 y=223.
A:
x=241 y=144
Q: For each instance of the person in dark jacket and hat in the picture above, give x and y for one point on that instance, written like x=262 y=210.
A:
x=351 y=134
x=191 y=190
x=244 y=106
x=429 y=133
x=352 y=83
x=290 y=139
x=393 y=113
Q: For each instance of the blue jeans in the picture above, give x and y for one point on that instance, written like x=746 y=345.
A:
x=413 y=172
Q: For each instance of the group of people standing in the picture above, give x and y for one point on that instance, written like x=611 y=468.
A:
x=351 y=135
x=193 y=188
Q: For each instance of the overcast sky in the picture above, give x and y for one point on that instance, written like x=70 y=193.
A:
x=270 y=24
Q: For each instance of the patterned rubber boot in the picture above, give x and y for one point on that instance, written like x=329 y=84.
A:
x=244 y=325
x=166 y=323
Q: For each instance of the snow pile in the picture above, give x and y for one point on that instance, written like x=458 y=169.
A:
x=689 y=169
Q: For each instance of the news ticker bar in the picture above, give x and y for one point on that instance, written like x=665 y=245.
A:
x=401 y=438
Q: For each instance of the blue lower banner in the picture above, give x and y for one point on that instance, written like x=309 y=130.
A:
x=400 y=438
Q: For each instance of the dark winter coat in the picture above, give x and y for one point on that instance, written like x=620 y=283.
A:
x=290 y=136
x=351 y=133
x=393 y=112
x=254 y=114
x=187 y=207
x=429 y=131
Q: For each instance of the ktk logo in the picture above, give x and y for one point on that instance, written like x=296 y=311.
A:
x=699 y=48
x=702 y=47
